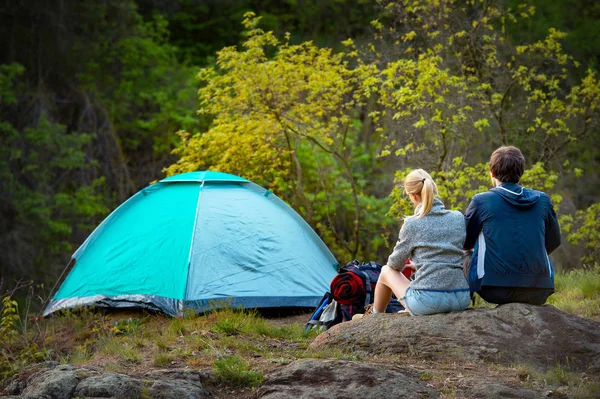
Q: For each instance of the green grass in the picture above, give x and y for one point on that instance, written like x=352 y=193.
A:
x=577 y=386
x=109 y=345
x=425 y=376
x=162 y=359
x=578 y=292
x=80 y=356
x=233 y=370
x=131 y=355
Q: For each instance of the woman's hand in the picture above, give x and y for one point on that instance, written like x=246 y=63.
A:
x=410 y=265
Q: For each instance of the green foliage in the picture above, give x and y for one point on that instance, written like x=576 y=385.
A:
x=296 y=114
x=200 y=29
x=451 y=81
x=148 y=95
x=8 y=320
x=582 y=40
x=45 y=205
x=583 y=230
x=234 y=371
x=83 y=126
x=15 y=352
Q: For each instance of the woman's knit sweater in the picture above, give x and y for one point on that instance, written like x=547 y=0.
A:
x=434 y=244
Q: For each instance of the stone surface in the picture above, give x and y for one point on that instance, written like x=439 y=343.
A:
x=118 y=386
x=57 y=383
x=52 y=381
x=341 y=379
x=492 y=389
x=175 y=384
x=540 y=336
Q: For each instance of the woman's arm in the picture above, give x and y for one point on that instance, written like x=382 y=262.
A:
x=402 y=250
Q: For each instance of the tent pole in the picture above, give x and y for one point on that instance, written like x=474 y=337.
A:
x=59 y=280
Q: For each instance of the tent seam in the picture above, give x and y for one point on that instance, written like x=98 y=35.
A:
x=189 y=262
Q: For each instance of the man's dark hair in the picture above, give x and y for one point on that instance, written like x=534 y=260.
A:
x=507 y=164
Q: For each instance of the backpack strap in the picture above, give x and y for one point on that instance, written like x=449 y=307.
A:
x=368 y=288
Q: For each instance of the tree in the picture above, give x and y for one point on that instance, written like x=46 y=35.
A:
x=441 y=89
x=290 y=123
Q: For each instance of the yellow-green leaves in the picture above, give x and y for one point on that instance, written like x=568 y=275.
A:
x=288 y=122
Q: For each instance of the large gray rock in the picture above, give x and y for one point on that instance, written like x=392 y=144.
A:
x=540 y=336
x=52 y=381
x=17 y=384
x=56 y=383
x=176 y=384
x=118 y=386
x=307 y=379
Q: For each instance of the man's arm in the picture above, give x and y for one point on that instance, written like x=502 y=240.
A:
x=552 y=230
x=473 y=224
x=402 y=250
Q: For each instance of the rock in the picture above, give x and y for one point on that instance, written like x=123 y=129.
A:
x=493 y=389
x=341 y=379
x=175 y=384
x=53 y=381
x=540 y=336
x=16 y=384
x=176 y=389
x=56 y=383
x=118 y=386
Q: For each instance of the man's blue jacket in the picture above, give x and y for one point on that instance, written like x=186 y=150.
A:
x=512 y=230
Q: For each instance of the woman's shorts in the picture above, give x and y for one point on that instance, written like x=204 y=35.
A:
x=424 y=302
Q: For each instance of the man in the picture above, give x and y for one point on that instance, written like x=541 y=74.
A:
x=511 y=230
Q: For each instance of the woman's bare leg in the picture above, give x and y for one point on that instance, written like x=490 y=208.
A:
x=390 y=281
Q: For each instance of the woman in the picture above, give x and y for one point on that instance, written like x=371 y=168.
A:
x=432 y=239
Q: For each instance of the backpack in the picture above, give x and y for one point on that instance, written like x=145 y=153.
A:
x=331 y=310
x=327 y=314
x=369 y=274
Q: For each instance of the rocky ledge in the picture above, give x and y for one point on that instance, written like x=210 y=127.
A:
x=540 y=336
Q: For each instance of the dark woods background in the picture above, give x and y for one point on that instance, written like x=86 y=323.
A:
x=92 y=93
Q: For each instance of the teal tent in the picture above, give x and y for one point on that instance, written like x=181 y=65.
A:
x=194 y=241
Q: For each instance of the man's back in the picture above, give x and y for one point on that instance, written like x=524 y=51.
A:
x=512 y=230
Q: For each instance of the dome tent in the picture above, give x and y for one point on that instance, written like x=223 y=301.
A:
x=196 y=238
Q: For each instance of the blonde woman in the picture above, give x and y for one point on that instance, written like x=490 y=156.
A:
x=432 y=239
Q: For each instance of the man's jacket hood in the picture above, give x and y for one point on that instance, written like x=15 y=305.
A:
x=517 y=195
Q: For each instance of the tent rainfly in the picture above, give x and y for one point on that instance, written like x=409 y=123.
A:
x=196 y=241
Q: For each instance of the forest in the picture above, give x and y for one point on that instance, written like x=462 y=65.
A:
x=328 y=104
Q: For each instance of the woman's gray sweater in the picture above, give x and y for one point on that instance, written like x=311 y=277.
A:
x=434 y=244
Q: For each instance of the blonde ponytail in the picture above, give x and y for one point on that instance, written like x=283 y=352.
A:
x=419 y=182
x=427 y=194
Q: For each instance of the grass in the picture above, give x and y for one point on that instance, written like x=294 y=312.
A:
x=162 y=359
x=560 y=376
x=578 y=292
x=425 y=376
x=233 y=370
